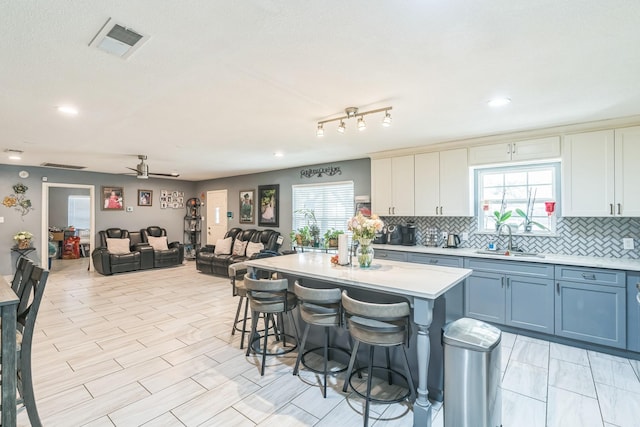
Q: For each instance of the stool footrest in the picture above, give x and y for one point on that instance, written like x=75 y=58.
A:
x=321 y=371
x=382 y=368
x=256 y=340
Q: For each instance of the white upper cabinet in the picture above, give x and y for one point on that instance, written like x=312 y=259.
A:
x=442 y=184
x=532 y=149
x=599 y=171
x=392 y=186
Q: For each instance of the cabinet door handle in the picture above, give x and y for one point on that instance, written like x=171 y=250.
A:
x=383 y=255
x=619 y=209
x=433 y=261
x=513 y=150
x=638 y=286
x=393 y=210
x=436 y=210
x=588 y=276
x=611 y=208
x=508 y=148
x=440 y=210
x=502 y=282
x=389 y=210
x=558 y=287
x=508 y=282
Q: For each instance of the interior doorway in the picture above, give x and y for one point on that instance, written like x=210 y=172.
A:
x=216 y=215
x=46 y=187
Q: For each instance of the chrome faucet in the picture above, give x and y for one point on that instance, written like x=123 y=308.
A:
x=510 y=244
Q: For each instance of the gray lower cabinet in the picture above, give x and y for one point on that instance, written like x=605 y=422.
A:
x=591 y=305
x=390 y=255
x=633 y=311
x=517 y=294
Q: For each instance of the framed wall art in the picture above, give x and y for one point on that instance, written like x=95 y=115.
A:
x=268 y=195
x=145 y=197
x=112 y=198
x=247 y=211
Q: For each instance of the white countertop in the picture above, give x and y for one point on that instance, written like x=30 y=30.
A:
x=400 y=278
x=582 y=261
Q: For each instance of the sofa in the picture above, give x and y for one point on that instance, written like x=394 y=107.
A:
x=239 y=245
x=120 y=250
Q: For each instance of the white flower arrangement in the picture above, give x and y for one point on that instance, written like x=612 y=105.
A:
x=22 y=235
x=363 y=227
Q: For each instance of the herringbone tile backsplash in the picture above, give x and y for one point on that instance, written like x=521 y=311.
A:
x=575 y=236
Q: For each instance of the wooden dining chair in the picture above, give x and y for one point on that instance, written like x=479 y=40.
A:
x=30 y=298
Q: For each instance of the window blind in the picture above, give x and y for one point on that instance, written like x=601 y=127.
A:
x=333 y=204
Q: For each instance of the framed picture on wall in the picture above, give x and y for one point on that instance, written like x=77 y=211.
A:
x=145 y=197
x=247 y=211
x=112 y=199
x=268 y=196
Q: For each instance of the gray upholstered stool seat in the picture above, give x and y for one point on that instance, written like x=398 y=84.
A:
x=378 y=325
x=319 y=307
x=272 y=299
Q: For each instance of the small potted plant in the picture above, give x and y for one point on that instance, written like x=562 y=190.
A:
x=23 y=239
x=312 y=225
x=331 y=237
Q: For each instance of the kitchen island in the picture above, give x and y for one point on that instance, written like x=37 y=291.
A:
x=420 y=284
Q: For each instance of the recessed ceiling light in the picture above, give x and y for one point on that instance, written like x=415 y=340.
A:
x=278 y=154
x=498 y=102
x=68 y=110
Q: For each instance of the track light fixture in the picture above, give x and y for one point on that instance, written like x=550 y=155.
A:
x=352 y=112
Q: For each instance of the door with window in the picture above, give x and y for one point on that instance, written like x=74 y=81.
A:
x=216 y=215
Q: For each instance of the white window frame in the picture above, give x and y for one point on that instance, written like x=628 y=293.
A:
x=485 y=222
x=324 y=203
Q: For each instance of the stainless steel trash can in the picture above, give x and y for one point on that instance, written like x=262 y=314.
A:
x=472 y=396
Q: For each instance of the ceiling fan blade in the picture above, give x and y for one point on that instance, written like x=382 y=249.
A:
x=132 y=169
x=170 y=175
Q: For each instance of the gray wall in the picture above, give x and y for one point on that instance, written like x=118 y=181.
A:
x=358 y=171
x=171 y=219
x=59 y=204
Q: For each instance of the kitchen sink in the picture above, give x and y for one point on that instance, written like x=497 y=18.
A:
x=512 y=253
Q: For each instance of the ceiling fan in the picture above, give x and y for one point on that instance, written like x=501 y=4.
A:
x=142 y=170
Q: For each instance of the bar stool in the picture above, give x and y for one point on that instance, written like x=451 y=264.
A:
x=240 y=291
x=319 y=307
x=378 y=325
x=272 y=299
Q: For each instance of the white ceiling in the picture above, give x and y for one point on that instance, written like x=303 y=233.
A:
x=222 y=85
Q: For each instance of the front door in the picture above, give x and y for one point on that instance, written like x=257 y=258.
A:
x=216 y=215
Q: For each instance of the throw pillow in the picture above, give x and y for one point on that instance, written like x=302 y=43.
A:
x=223 y=246
x=239 y=247
x=254 y=248
x=158 y=243
x=118 y=246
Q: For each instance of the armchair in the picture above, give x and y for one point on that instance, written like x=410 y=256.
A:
x=114 y=255
x=156 y=237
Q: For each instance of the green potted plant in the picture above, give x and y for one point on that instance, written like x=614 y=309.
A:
x=331 y=237
x=303 y=236
x=312 y=225
x=501 y=217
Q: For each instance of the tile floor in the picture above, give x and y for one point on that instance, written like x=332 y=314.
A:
x=154 y=348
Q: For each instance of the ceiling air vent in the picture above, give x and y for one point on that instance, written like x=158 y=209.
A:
x=57 y=165
x=117 y=39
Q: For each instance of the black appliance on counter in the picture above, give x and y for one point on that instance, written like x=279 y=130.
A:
x=381 y=237
x=394 y=235
x=408 y=234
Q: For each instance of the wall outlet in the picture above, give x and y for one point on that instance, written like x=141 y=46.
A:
x=1 y=219
x=464 y=236
x=627 y=243
x=444 y=234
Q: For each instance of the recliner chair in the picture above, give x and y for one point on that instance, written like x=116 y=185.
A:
x=108 y=263
x=174 y=255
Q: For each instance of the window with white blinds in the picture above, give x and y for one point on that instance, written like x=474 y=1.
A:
x=333 y=204
x=78 y=213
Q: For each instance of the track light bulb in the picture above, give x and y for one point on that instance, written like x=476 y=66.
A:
x=320 y=131
x=386 y=122
x=361 y=124
x=341 y=126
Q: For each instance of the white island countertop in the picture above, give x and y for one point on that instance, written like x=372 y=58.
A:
x=627 y=264
x=400 y=278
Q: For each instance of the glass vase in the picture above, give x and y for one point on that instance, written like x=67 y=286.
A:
x=364 y=253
